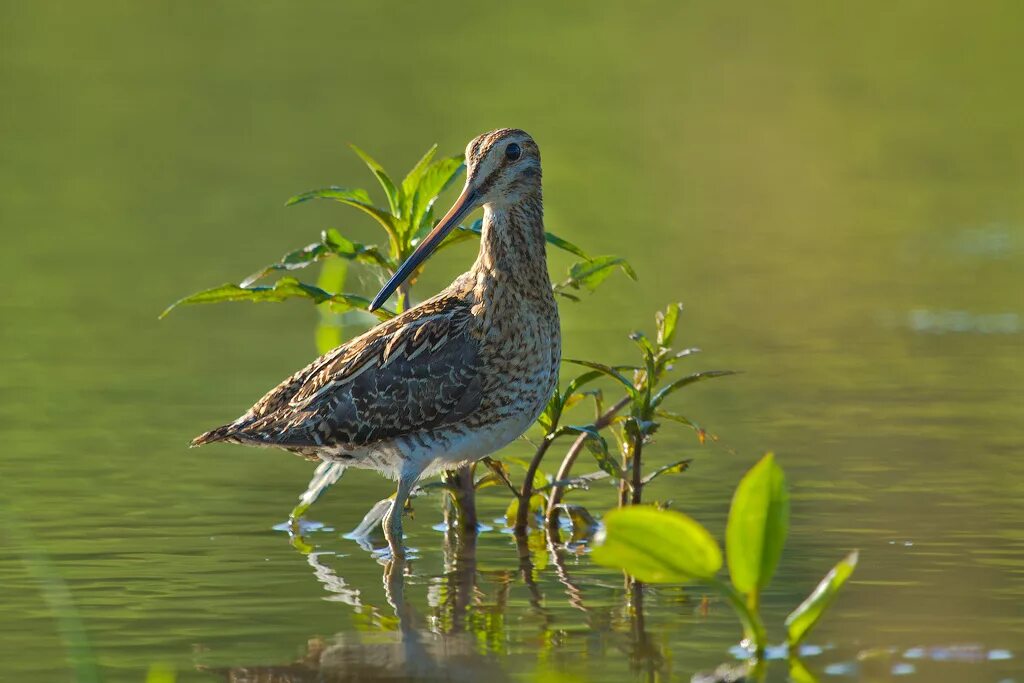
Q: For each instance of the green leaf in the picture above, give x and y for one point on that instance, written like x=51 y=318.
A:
x=435 y=180
x=334 y=192
x=607 y=370
x=392 y=192
x=667 y=324
x=293 y=260
x=357 y=199
x=682 y=419
x=591 y=273
x=412 y=179
x=536 y=503
x=674 y=468
x=757 y=527
x=565 y=245
x=356 y=251
x=657 y=546
x=285 y=288
x=801 y=620
x=686 y=381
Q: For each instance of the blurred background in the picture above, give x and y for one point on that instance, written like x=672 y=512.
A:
x=836 y=193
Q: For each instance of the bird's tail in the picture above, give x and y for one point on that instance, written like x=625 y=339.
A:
x=212 y=436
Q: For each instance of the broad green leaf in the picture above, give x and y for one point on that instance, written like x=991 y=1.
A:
x=757 y=527
x=657 y=546
x=803 y=618
x=565 y=245
x=686 y=381
x=285 y=288
x=674 y=468
x=357 y=199
x=667 y=324
x=607 y=370
x=392 y=192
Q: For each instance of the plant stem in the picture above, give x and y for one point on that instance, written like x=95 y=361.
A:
x=558 y=490
x=523 y=510
x=753 y=627
x=637 y=486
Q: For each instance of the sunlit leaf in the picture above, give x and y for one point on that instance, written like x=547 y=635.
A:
x=678 y=384
x=437 y=177
x=657 y=546
x=606 y=370
x=565 y=245
x=285 y=288
x=757 y=527
x=331 y=244
x=667 y=324
x=357 y=199
x=355 y=251
x=682 y=419
x=412 y=178
x=591 y=273
x=392 y=192
x=803 y=618
x=674 y=468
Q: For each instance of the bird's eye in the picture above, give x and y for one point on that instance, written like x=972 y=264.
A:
x=513 y=152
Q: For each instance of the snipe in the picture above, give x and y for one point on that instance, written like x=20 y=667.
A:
x=449 y=381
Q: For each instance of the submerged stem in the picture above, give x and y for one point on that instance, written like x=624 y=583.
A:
x=753 y=628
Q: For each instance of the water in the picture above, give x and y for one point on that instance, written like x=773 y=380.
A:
x=836 y=196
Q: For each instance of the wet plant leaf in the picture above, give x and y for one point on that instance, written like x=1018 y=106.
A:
x=674 y=468
x=757 y=527
x=678 y=384
x=657 y=546
x=390 y=191
x=582 y=522
x=801 y=620
x=285 y=288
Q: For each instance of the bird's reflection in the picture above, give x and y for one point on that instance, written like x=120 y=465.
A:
x=438 y=648
x=462 y=630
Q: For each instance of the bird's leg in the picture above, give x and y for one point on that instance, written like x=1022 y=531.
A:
x=326 y=475
x=393 y=521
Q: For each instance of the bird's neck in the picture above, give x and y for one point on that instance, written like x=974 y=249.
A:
x=512 y=246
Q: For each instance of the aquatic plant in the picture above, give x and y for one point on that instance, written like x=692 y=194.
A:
x=646 y=386
x=664 y=546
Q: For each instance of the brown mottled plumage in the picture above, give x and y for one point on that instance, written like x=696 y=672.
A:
x=450 y=380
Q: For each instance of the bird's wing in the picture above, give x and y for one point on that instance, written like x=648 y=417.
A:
x=416 y=372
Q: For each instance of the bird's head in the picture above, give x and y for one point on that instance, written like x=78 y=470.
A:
x=501 y=168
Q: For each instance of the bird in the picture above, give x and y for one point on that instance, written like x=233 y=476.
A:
x=449 y=381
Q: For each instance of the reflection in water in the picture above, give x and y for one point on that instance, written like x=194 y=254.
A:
x=440 y=648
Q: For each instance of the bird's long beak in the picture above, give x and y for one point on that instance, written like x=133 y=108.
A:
x=463 y=206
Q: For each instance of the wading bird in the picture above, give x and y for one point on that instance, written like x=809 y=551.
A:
x=449 y=381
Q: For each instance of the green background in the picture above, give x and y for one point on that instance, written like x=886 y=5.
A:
x=836 y=193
